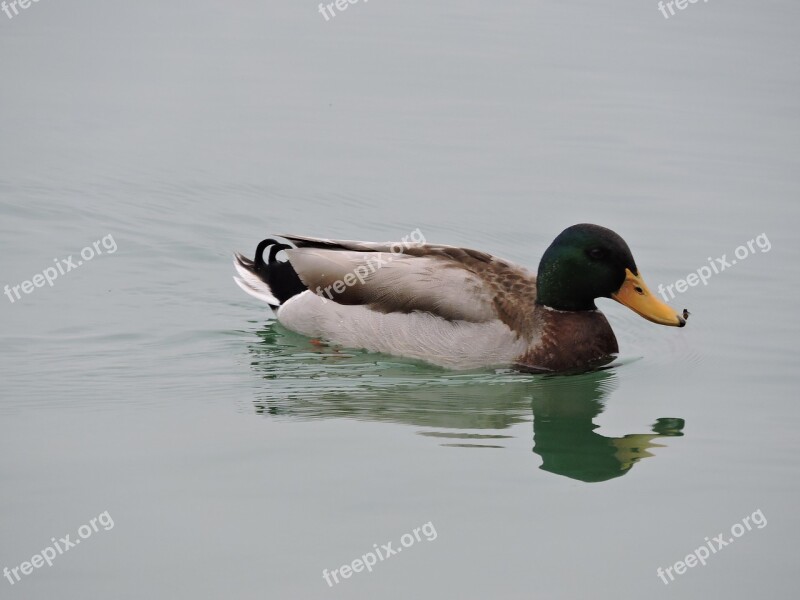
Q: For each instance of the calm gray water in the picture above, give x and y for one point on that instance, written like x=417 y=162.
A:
x=236 y=459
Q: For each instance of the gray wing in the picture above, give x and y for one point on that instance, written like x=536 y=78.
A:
x=450 y=282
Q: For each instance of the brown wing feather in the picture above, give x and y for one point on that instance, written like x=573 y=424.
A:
x=454 y=283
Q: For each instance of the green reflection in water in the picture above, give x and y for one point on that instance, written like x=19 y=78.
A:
x=564 y=433
x=312 y=381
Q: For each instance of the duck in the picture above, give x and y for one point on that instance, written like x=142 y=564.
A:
x=455 y=307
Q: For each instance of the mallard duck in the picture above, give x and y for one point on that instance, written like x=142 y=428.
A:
x=455 y=307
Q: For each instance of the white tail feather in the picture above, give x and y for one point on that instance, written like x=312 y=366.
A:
x=254 y=286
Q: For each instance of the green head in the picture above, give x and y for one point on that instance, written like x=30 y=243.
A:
x=588 y=261
x=583 y=263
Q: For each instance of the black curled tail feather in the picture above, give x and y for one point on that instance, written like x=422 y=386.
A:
x=274 y=247
x=280 y=276
x=272 y=280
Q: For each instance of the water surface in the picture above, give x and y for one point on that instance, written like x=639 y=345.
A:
x=238 y=459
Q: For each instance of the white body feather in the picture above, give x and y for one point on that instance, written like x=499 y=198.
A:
x=420 y=335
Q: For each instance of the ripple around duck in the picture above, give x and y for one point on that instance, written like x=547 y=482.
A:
x=654 y=344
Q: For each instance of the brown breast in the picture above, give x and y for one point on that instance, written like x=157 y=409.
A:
x=569 y=340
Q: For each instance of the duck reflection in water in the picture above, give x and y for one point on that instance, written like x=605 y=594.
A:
x=564 y=431
x=465 y=410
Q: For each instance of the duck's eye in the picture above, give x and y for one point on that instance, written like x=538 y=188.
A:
x=597 y=253
x=639 y=290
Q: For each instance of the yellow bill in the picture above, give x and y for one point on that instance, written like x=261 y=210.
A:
x=635 y=295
